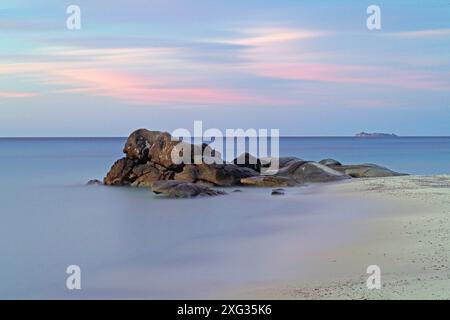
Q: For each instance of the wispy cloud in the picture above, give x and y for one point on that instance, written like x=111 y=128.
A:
x=17 y=94
x=268 y=36
x=434 y=33
x=149 y=76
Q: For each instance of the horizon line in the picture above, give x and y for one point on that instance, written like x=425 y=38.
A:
x=285 y=136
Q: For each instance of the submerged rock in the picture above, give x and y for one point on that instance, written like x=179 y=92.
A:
x=94 y=182
x=277 y=192
x=269 y=181
x=182 y=189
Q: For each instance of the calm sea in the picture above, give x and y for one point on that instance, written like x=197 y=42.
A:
x=129 y=243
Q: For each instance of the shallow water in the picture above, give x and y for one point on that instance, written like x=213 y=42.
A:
x=130 y=243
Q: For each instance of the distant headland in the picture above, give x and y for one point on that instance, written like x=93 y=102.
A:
x=376 y=135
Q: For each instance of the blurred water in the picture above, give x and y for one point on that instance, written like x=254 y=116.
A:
x=130 y=243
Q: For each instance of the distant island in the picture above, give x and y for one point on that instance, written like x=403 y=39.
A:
x=376 y=135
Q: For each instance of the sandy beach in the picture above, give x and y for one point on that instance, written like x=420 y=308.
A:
x=407 y=238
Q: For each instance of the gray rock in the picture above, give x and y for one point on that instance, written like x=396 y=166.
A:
x=282 y=161
x=94 y=182
x=307 y=172
x=277 y=192
x=181 y=189
x=366 y=171
x=330 y=162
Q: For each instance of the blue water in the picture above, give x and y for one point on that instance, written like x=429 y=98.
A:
x=129 y=243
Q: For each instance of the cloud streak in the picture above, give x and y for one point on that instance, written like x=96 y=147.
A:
x=433 y=33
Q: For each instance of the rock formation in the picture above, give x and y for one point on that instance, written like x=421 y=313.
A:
x=149 y=162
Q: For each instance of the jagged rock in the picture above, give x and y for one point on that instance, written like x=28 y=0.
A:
x=146 y=174
x=181 y=189
x=189 y=173
x=120 y=173
x=248 y=161
x=330 y=162
x=269 y=181
x=306 y=172
x=366 y=171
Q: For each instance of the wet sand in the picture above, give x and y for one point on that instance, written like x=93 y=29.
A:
x=408 y=238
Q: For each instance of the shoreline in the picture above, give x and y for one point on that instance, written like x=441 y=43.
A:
x=406 y=238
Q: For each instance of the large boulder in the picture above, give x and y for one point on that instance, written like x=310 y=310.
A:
x=306 y=172
x=367 y=170
x=248 y=161
x=159 y=147
x=182 y=189
x=268 y=181
x=121 y=172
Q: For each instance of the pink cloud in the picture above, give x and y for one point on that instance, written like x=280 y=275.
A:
x=16 y=94
x=151 y=77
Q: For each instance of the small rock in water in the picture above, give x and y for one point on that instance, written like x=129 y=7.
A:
x=181 y=189
x=94 y=182
x=278 y=192
x=237 y=190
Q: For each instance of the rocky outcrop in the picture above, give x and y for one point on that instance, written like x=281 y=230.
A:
x=149 y=158
x=150 y=162
x=182 y=189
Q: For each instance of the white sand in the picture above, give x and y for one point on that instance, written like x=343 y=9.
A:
x=408 y=238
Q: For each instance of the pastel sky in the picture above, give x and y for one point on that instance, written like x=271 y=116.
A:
x=306 y=67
